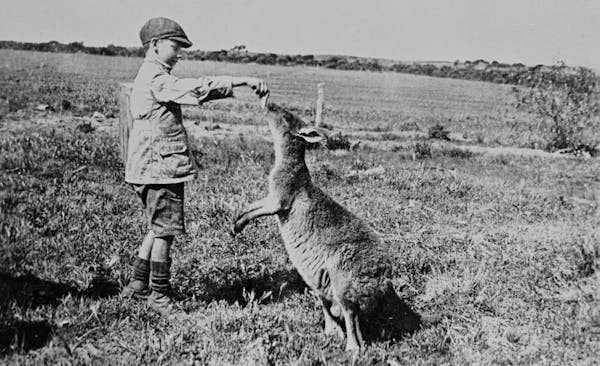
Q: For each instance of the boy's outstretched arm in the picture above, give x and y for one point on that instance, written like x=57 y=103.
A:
x=192 y=91
x=167 y=88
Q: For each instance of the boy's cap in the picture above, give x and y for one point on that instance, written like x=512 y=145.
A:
x=161 y=28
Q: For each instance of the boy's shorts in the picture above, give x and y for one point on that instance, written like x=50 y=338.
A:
x=163 y=205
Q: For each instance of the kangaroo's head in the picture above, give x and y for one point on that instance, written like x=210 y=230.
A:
x=290 y=132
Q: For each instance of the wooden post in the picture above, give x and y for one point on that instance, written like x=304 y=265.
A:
x=125 y=118
x=597 y=199
x=320 y=101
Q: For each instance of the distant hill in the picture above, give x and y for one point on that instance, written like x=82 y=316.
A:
x=482 y=70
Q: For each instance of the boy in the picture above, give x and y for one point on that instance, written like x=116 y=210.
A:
x=158 y=159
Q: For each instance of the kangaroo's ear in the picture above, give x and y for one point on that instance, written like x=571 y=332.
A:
x=312 y=134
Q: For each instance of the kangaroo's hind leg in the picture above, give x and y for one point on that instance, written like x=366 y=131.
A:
x=354 y=338
x=332 y=320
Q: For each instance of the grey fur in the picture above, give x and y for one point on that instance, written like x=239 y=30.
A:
x=339 y=257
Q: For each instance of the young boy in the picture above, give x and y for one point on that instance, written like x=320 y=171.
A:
x=158 y=159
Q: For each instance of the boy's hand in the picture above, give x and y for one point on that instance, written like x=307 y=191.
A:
x=259 y=86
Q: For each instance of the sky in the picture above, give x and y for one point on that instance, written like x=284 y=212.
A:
x=528 y=31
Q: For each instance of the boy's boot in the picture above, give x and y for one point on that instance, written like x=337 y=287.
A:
x=138 y=286
x=160 y=299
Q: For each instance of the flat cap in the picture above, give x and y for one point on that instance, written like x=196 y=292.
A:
x=161 y=28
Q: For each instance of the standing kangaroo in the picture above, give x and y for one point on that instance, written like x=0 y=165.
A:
x=339 y=257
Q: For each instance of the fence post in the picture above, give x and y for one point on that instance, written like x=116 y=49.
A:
x=597 y=199
x=125 y=118
x=320 y=101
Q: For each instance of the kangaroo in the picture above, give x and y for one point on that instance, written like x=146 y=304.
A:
x=339 y=257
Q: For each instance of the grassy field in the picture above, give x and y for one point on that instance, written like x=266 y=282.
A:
x=505 y=249
x=354 y=100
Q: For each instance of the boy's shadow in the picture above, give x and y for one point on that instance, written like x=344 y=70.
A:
x=22 y=336
x=30 y=292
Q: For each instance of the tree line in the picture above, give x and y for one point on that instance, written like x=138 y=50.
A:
x=481 y=70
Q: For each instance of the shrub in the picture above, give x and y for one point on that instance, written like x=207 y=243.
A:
x=457 y=153
x=422 y=150
x=439 y=132
x=85 y=127
x=565 y=105
x=338 y=142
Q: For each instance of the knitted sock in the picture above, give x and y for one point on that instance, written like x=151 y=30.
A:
x=161 y=274
x=141 y=270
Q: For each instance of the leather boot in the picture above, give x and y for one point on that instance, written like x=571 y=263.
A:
x=160 y=298
x=138 y=286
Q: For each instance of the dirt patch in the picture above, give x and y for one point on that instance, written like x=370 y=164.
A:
x=389 y=140
x=222 y=130
x=385 y=140
x=475 y=149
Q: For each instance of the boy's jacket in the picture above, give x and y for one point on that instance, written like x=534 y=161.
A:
x=158 y=150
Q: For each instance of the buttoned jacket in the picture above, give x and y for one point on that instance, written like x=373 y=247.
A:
x=158 y=149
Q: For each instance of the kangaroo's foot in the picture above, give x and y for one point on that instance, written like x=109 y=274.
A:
x=354 y=338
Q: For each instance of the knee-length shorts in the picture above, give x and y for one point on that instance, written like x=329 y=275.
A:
x=163 y=206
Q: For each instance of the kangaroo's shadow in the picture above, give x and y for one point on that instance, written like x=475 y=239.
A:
x=391 y=320
x=242 y=289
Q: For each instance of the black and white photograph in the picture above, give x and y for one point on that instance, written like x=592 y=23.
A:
x=263 y=182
